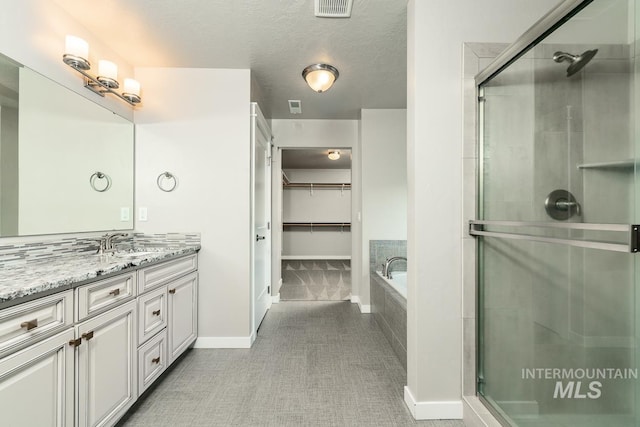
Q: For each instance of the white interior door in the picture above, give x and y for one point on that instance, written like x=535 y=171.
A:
x=261 y=216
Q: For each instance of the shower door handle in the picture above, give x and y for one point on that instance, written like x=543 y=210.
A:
x=258 y=237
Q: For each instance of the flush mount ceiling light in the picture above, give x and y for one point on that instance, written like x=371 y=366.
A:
x=334 y=155
x=320 y=77
x=76 y=54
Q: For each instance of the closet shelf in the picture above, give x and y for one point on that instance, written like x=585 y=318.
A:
x=316 y=185
x=316 y=224
x=617 y=164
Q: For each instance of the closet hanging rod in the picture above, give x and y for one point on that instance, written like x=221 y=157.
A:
x=316 y=224
x=317 y=185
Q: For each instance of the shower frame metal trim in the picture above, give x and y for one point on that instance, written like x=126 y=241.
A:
x=546 y=25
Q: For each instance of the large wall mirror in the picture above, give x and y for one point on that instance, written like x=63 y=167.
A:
x=66 y=163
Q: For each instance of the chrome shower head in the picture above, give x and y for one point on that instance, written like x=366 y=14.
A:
x=577 y=61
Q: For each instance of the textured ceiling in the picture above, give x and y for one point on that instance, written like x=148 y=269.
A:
x=297 y=158
x=276 y=39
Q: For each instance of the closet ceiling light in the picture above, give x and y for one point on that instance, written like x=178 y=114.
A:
x=334 y=155
x=320 y=77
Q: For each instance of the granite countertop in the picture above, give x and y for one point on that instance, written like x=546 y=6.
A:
x=58 y=274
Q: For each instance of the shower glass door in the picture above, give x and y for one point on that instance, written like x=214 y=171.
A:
x=557 y=278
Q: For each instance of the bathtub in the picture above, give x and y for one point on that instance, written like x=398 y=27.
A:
x=389 y=309
x=398 y=281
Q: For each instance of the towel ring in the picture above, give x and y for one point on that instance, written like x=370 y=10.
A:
x=168 y=176
x=99 y=175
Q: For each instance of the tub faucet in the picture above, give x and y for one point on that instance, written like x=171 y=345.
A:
x=385 y=267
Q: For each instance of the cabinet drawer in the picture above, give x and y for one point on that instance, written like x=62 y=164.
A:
x=104 y=294
x=152 y=360
x=152 y=313
x=152 y=277
x=26 y=323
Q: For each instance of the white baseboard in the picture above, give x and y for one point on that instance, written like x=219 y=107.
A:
x=315 y=257
x=275 y=299
x=445 y=410
x=364 y=308
x=224 y=342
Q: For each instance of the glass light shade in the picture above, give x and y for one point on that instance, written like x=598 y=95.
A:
x=320 y=80
x=132 y=87
x=334 y=155
x=107 y=69
x=77 y=47
x=320 y=77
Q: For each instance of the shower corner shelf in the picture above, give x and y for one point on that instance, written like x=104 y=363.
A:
x=616 y=165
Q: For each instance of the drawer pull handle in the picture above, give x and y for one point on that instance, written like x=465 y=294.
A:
x=87 y=336
x=156 y=312
x=30 y=324
x=155 y=360
x=115 y=292
x=76 y=342
x=172 y=291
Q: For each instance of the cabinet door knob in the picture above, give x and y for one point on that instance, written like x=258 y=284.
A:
x=115 y=292
x=88 y=335
x=172 y=291
x=76 y=342
x=155 y=360
x=258 y=237
x=156 y=312
x=29 y=324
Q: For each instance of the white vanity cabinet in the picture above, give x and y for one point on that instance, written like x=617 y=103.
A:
x=168 y=315
x=183 y=314
x=37 y=384
x=106 y=366
x=82 y=357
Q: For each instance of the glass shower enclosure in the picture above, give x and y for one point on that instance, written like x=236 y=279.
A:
x=558 y=300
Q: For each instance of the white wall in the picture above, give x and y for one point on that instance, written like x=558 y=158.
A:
x=195 y=124
x=384 y=183
x=309 y=134
x=434 y=153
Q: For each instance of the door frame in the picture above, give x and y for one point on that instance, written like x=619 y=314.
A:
x=260 y=124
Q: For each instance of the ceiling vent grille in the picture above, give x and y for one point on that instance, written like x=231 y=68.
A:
x=333 y=8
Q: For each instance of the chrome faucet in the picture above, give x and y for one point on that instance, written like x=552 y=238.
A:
x=385 y=267
x=106 y=242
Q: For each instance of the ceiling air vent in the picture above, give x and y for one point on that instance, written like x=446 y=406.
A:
x=333 y=8
x=295 y=106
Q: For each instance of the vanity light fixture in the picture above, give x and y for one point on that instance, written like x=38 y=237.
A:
x=76 y=54
x=334 y=155
x=320 y=77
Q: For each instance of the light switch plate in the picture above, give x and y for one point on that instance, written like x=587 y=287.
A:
x=124 y=214
x=142 y=214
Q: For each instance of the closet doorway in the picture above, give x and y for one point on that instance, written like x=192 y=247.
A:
x=316 y=224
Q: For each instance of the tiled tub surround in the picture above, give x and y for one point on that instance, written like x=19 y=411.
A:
x=35 y=269
x=380 y=250
x=388 y=307
x=316 y=280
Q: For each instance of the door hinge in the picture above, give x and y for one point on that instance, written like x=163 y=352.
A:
x=481 y=99
x=268 y=225
x=634 y=243
x=269 y=289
